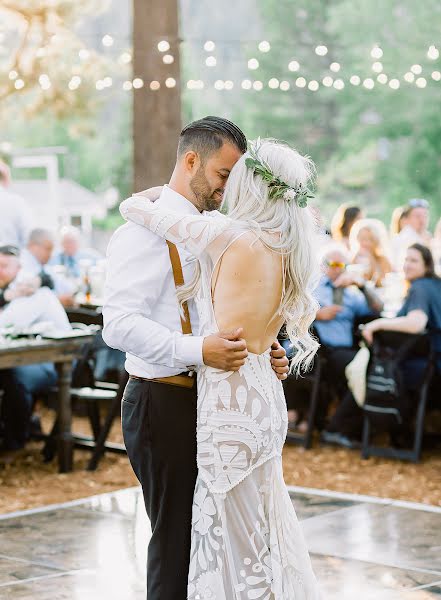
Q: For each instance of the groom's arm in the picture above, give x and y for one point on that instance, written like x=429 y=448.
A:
x=132 y=290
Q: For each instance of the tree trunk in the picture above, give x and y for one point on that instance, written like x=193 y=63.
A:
x=156 y=113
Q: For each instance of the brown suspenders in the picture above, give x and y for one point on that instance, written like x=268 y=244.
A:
x=179 y=280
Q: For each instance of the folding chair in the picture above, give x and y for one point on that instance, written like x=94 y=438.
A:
x=401 y=346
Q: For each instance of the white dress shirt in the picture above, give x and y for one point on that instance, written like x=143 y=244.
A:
x=14 y=219
x=43 y=306
x=141 y=313
x=31 y=267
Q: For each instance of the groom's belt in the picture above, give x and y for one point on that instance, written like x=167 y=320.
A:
x=186 y=380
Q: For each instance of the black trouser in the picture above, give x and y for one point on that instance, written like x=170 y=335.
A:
x=159 y=427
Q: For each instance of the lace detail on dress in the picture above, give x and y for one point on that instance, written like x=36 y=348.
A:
x=246 y=540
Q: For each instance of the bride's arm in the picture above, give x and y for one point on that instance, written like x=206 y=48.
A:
x=194 y=232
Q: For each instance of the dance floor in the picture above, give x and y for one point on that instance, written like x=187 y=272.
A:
x=94 y=549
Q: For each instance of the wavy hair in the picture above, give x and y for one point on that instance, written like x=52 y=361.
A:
x=246 y=201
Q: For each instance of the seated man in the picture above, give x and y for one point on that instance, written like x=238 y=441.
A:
x=22 y=307
x=71 y=253
x=35 y=259
x=343 y=297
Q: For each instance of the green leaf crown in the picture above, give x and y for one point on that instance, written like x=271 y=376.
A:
x=277 y=189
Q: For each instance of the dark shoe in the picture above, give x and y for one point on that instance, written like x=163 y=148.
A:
x=338 y=439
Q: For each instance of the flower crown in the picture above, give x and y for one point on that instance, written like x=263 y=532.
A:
x=277 y=188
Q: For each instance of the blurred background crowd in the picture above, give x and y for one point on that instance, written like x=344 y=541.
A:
x=376 y=275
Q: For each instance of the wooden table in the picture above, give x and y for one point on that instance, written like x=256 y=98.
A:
x=25 y=351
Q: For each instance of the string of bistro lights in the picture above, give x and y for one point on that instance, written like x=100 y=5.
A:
x=332 y=79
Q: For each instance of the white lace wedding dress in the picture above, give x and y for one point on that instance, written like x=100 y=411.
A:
x=246 y=541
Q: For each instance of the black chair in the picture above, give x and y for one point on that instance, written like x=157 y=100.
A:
x=393 y=348
x=89 y=392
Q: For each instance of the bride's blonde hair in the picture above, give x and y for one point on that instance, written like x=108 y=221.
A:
x=247 y=201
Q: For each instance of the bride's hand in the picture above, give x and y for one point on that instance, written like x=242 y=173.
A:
x=279 y=361
x=151 y=194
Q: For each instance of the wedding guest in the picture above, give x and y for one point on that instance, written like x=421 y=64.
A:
x=421 y=310
x=23 y=309
x=35 y=261
x=368 y=243
x=398 y=219
x=14 y=221
x=342 y=223
x=71 y=254
x=343 y=297
x=414 y=231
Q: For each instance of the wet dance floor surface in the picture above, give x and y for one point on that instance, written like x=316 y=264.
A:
x=94 y=549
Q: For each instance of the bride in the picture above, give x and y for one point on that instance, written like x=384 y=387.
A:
x=257 y=268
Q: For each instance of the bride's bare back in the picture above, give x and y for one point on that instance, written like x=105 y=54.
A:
x=246 y=291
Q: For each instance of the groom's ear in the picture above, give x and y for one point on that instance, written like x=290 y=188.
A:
x=191 y=161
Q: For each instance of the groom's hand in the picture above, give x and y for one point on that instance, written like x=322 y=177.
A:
x=279 y=362
x=225 y=350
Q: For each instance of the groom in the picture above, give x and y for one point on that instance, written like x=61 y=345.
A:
x=141 y=318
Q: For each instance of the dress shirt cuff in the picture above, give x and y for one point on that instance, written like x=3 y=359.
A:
x=189 y=350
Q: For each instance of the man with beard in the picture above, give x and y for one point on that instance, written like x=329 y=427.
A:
x=141 y=317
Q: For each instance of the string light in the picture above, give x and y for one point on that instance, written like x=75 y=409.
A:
x=436 y=76
x=376 y=52
x=369 y=83
x=321 y=50
x=433 y=53
x=335 y=67
x=168 y=59
x=127 y=86
x=163 y=46
x=13 y=75
x=228 y=85
x=246 y=84
x=417 y=69
x=327 y=81
x=219 y=84
x=100 y=85
x=377 y=67
x=300 y=82
x=264 y=46
x=355 y=80
x=394 y=84
x=284 y=86
x=170 y=82
x=339 y=84
x=258 y=86
x=210 y=61
x=421 y=82
x=313 y=85
x=44 y=81
x=273 y=83
x=253 y=64
x=154 y=86
x=138 y=83
x=74 y=83
x=125 y=58
x=382 y=78
x=19 y=84
x=293 y=66
x=107 y=41
x=409 y=77
x=209 y=46
x=84 y=54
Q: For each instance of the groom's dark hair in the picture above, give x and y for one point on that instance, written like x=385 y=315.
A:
x=207 y=135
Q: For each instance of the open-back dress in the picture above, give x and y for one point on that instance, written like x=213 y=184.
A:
x=246 y=541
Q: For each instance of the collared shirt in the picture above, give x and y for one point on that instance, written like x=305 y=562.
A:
x=141 y=312
x=73 y=263
x=339 y=331
x=14 y=219
x=43 y=306
x=31 y=267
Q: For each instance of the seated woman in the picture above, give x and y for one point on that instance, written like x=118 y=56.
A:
x=368 y=243
x=421 y=311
